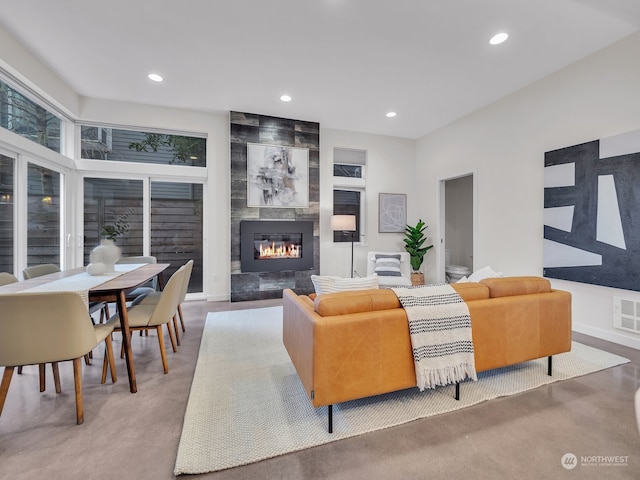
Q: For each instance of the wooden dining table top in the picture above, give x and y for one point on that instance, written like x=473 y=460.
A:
x=124 y=281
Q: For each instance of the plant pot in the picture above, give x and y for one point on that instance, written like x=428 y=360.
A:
x=417 y=278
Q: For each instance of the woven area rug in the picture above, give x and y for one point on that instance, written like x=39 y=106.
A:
x=247 y=403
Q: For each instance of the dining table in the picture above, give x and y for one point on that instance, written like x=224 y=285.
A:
x=107 y=287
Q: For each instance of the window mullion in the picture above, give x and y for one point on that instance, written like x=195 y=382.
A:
x=146 y=216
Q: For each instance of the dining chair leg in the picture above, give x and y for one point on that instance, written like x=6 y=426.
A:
x=105 y=361
x=4 y=386
x=181 y=317
x=77 y=381
x=163 y=354
x=176 y=329
x=56 y=376
x=20 y=370
x=104 y=313
x=108 y=358
x=43 y=380
x=171 y=337
x=87 y=359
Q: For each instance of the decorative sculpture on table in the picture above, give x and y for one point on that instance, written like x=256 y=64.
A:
x=103 y=258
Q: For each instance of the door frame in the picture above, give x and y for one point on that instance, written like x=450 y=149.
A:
x=442 y=222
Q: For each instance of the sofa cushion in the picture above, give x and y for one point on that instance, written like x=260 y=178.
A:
x=509 y=286
x=342 y=303
x=471 y=290
x=330 y=284
x=387 y=265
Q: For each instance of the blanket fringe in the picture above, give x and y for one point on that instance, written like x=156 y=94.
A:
x=432 y=378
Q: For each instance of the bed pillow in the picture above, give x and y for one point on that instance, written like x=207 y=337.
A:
x=387 y=265
x=330 y=284
x=485 y=272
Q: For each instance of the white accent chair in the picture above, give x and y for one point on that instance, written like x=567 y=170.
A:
x=404 y=280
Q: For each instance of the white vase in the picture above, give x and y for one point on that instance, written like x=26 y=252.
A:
x=107 y=253
x=95 y=268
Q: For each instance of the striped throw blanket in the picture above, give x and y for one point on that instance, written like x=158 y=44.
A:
x=440 y=328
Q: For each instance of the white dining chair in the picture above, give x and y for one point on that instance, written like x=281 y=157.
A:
x=152 y=298
x=153 y=316
x=49 y=327
x=150 y=287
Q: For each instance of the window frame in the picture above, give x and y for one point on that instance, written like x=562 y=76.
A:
x=352 y=184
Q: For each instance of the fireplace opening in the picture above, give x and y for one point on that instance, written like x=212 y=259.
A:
x=273 y=246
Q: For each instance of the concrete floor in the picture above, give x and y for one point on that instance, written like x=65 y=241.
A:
x=129 y=436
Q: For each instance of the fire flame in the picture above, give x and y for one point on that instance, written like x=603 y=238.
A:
x=280 y=251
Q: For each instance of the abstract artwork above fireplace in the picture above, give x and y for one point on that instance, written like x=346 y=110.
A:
x=277 y=176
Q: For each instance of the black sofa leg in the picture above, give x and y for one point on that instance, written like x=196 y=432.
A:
x=549 y=365
x=457 y=390
x=330 y=413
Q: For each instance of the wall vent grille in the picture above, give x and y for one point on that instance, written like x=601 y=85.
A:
x=626 y=314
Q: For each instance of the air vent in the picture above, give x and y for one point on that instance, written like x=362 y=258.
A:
x=626 y=314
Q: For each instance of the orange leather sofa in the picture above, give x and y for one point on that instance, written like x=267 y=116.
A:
x=355 y=344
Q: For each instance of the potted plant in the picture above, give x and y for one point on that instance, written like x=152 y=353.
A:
x=414 y=245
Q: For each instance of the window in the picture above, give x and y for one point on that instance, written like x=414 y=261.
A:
x=102 y=143
x=6 y=213
x=176 y=227
x=28 y=119
x=346 y=170
x=348 y=189
x=113 y=208
x=347 y=202
x=43 y=215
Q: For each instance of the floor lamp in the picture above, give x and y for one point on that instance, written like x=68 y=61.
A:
x=345 y=224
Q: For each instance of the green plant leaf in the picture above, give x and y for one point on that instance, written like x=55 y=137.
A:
x=414 y=241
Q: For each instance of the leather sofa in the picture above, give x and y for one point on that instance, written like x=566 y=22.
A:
x=355 y=344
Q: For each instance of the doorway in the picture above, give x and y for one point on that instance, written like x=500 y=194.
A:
x=457 y=223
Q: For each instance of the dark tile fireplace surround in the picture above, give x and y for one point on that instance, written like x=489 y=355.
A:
x=263 y=278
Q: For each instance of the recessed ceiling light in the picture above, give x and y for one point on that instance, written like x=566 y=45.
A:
x=285 y=98
x=155 y=77
x=498 y=38
x=391 y=114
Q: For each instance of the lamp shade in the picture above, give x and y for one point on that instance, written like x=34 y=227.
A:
x=345 y=223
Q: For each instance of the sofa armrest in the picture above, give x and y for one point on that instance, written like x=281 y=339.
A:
x=345 y=357
x=298 y=335
x=513 y=329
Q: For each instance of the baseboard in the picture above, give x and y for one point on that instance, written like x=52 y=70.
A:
x=619 y=338
x=218 y=298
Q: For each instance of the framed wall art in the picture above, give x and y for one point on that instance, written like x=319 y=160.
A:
x=392 y=212
x=277 y=176
x=592 y=212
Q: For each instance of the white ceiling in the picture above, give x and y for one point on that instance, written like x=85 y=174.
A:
x=345 y=62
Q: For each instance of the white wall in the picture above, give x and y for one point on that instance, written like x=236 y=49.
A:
x=505 y=144
x=390 y=169
x=19 y=62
